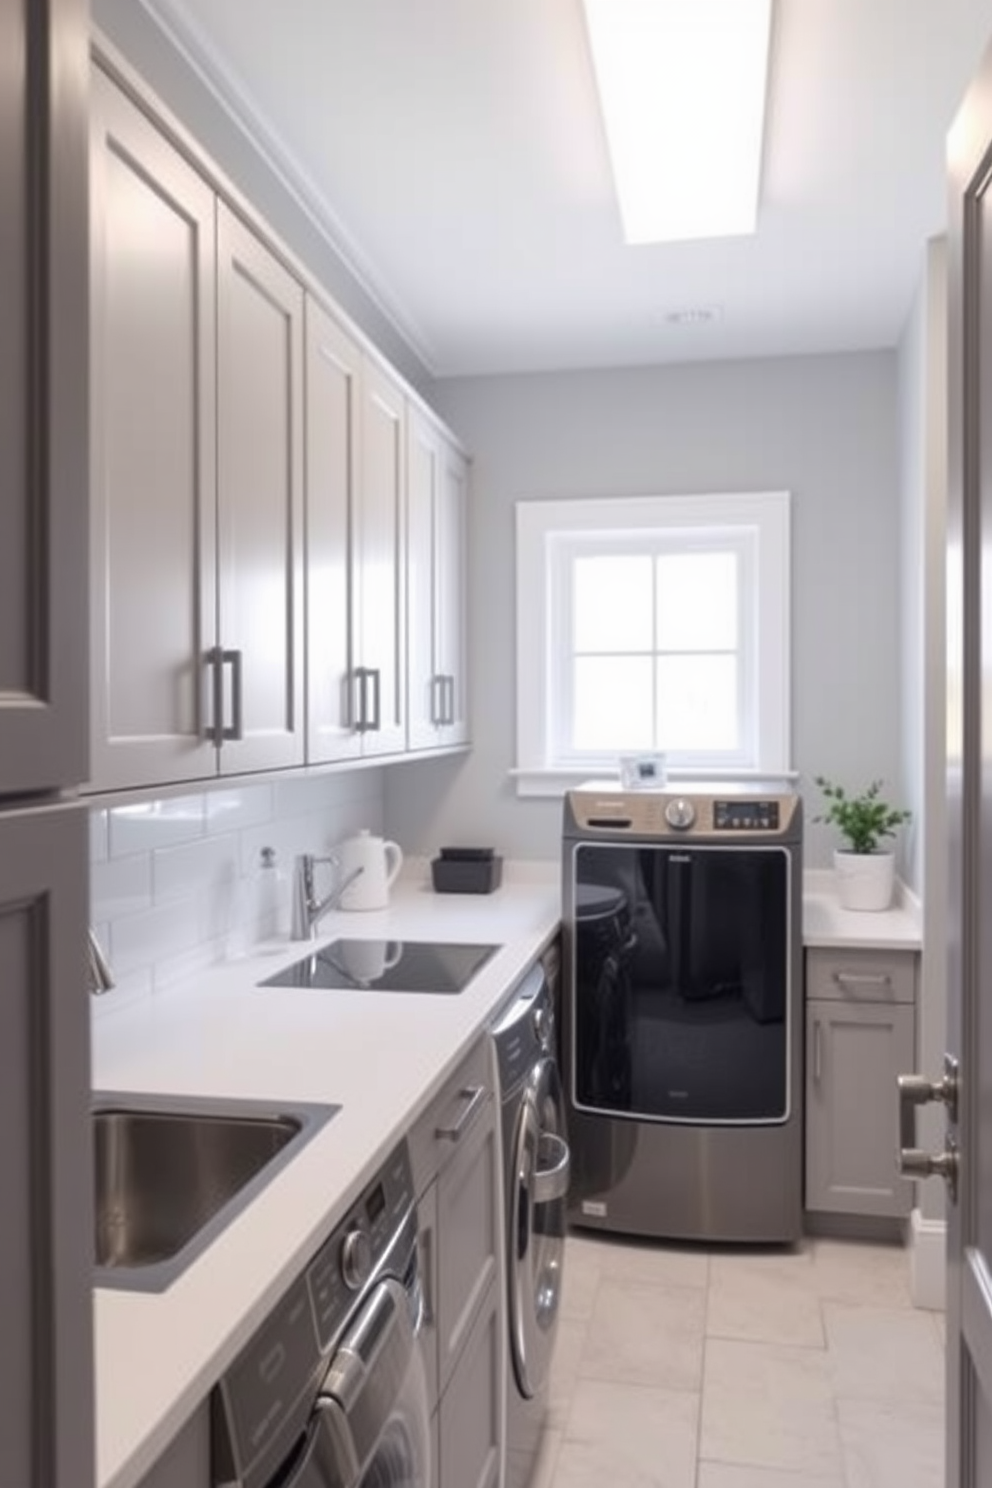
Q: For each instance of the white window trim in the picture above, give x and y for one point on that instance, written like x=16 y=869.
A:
x=764 y=515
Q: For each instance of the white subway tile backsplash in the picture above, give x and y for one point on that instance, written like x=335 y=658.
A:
x=98 y=836
x=140 y=940
x=232 y=810
x=194 y=867
x=175 y=882
x=120 y=886
x=142 y=826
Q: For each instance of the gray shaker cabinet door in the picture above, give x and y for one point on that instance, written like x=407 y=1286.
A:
x=153 y=550
x=260 y=330
x=470 y=1417
x=854 y=1055
x=379 y=556
x=334 y=382
x=43 y=393
x=46 y=1226
x=437 y=492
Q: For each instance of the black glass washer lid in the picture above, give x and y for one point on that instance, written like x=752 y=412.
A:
x=432 y=966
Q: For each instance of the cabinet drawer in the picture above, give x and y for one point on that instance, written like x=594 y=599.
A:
x=861 y=976
x=449 y=1109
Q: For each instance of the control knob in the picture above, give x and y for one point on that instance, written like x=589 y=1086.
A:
x=356 y=1259
x=544 y=1026
x=680 y=813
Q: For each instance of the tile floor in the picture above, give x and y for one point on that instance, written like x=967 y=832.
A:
x=680 y=1367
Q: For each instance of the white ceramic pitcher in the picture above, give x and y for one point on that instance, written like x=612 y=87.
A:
x=368 y=865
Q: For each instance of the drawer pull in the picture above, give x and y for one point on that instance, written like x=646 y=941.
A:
x=551 y=1177
x=862 y=979
x=474 y=1096
x=817 y=1051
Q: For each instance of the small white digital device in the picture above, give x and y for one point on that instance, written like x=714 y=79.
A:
x=642 y=771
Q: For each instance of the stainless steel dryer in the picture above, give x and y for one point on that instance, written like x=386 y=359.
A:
x=536 y=1173
x=682 y=1011
x=331 y=1390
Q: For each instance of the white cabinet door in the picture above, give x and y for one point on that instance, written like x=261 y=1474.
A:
x=153 y=550
x=259 y=664
x=450 y=594
x=424 y=460
x=333 y=406
x=379 y=611
x=855 y=1053
x=437 y=490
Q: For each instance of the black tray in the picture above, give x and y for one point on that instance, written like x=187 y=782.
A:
x=466 y=875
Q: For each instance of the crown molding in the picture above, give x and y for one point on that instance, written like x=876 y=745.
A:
x=190 y=41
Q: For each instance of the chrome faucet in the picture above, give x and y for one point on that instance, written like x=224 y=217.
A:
x=100 y=978
x=307 y=910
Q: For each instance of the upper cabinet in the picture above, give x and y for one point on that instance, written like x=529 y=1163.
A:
x=334 y=395
x=257 y=667
x=356 y=504
x=437 y=493
x=43 y=403
x=197 y=490
x=154 y=522
x=278 y=527
x=379 y=575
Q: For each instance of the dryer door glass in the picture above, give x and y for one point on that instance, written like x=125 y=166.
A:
x=681 y=982
x=539 y=1176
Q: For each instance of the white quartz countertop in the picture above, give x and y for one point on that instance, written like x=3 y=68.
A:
x=826 y=925
x=380 y=1056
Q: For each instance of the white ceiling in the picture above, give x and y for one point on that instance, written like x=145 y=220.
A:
x=452 y=150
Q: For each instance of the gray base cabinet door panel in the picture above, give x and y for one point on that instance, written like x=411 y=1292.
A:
x=854 y=1054
x=470 y=1418
x=467 y=1238
x=46 y=1165
x=455 y=1152
x=153 y=545
x=44 y=409
x=185 y=1463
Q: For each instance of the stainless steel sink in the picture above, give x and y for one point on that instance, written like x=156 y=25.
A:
x=172 y=1172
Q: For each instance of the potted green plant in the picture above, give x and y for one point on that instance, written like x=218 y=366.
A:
x=865 y=870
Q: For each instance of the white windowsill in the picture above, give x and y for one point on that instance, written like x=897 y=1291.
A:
x=551 y=783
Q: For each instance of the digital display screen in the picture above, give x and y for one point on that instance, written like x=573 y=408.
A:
x=754 y=816
x=375 y=1203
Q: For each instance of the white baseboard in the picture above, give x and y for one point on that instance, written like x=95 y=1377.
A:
x=927 y=1261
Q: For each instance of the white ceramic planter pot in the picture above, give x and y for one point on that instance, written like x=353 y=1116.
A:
x=865 y=880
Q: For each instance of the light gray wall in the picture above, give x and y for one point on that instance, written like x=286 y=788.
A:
x=824 y=428
x=923 y=483
x=143 y=45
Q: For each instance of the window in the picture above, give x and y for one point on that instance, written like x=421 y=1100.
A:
x=652 y=625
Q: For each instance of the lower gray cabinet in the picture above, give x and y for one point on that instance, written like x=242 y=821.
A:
x=185 y=1463
x=46 y=1164
x=470 y=1422
x=455 y=1154
x=860 y=1036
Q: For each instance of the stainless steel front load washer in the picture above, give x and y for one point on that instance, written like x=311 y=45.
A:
x=536 y=1174
x=331 y=1390
x=682 y=1011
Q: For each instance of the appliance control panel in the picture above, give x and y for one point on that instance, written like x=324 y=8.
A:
x=721 y=812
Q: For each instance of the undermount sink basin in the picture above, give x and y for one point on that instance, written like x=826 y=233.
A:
x=172 y=1172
